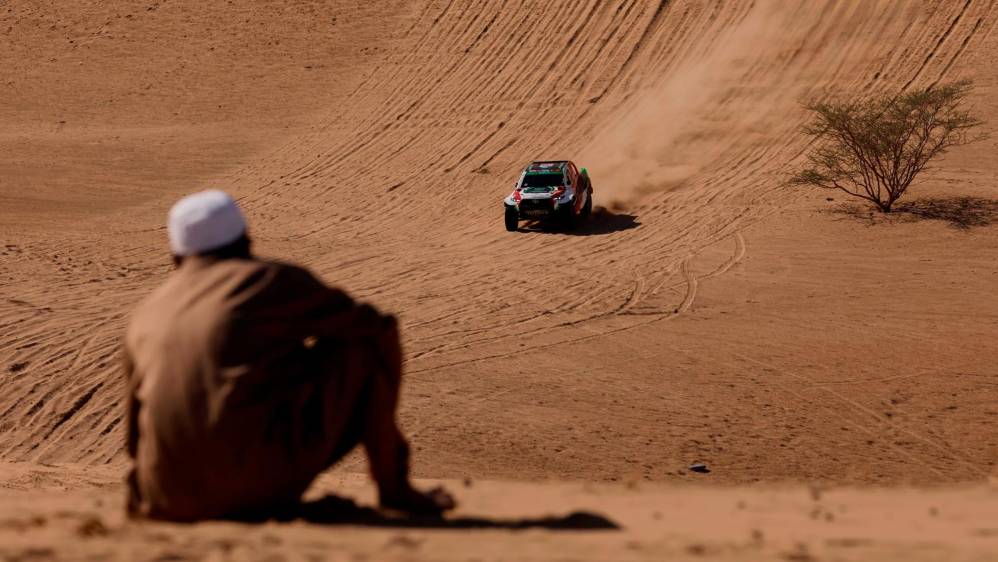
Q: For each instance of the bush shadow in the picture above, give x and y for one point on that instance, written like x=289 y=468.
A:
x=963 y=212
x=960 y=212
x=602 y=221
x=336 y=510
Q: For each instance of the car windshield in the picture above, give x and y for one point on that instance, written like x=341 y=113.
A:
x=542 y=180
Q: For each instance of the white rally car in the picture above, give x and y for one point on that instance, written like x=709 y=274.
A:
x=550 y=191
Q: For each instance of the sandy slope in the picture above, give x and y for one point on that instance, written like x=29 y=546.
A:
x=711 y=316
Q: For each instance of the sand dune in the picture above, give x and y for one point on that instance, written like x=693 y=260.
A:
x=710 y=314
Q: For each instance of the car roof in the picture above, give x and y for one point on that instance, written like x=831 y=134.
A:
x=547 y=167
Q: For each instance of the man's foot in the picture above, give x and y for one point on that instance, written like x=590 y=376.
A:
x=410 y=500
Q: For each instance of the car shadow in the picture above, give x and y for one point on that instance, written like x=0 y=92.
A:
x=337 y=510
x=602 y=221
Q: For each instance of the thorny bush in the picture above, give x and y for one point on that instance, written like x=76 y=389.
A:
x=874 y=148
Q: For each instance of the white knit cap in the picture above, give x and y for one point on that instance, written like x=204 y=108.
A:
x=203 y=222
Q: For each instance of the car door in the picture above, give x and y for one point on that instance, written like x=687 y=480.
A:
x=580 y=192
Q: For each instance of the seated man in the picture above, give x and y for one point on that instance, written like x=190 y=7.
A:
x=248 y=378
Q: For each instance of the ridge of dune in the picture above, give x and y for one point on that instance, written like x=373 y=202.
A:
x=378 y=156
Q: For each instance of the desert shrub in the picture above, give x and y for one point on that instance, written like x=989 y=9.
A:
x=873 y=148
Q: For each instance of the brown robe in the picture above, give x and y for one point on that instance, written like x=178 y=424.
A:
x=245 y=380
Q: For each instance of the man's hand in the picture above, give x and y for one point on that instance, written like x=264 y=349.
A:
x=411 y=500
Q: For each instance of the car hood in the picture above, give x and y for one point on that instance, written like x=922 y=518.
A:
x=535 y=195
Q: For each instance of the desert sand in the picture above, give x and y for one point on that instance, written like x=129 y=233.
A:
x=788 y=339
x=47 y=517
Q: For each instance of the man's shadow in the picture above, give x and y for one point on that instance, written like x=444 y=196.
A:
x=335 y=510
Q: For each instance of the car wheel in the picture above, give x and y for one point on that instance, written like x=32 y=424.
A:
x=512 y=220
x=587 y=209
x=568 y=219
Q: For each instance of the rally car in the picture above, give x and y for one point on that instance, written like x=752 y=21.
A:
x=554 y=191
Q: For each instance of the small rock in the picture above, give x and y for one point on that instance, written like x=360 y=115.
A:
x=699 y=467
x=799 y=554
x=91 y=526
x=696 y=549
x=402 y=541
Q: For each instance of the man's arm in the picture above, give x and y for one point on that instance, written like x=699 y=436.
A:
x=328 y=312
x=356 y=320
x=335 y=315
x=131 y=430
x=286 y=303
x=131 y=405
